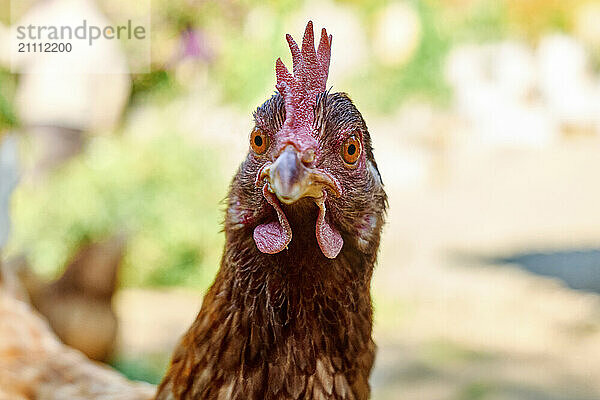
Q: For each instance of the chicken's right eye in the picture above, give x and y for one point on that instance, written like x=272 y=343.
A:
x=259 y=141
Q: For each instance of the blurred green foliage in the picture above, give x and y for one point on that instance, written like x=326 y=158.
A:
x=164 y=192
x=382 y=89
x=476 y=391
x=243 y=64
x=8 y=118
x=149 y=368
x=156 y=86
x=441 y=352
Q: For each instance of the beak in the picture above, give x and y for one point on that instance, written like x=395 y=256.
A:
x=291 y=180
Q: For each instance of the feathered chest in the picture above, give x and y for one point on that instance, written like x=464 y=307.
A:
x=266 y=334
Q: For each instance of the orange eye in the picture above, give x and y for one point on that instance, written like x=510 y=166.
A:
x=351 y=150
x=259 y=141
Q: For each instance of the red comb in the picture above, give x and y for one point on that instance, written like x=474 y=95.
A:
x=300 y=90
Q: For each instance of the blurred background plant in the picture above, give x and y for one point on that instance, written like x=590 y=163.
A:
x=472 y=103
x=161 y=193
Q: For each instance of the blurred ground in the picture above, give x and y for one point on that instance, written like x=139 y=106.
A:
x=466 y=330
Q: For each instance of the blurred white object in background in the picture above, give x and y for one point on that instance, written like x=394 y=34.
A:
x=567 y=84
x=587 y=27
x=415 y=144
x=349 y=48
x=4 y=45
x=58 y=90
x=9 y=176
x=60 y=96
x=398 y=33
x=261 y=23
x=495 y=91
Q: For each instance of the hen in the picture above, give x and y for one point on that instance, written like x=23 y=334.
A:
x=290 y=317
x=78 y=305
x=35 y=365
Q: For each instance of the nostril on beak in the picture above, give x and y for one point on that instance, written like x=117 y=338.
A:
x=308 y=157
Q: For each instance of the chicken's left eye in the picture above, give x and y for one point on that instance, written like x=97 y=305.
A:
x=259 y=141
x=351 y=150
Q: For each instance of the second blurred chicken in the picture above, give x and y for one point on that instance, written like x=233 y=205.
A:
x=78 y=304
